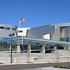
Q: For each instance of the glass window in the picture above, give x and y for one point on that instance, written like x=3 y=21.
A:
x=1 y=27
x=13 y=28
x=20 y=31
x=7 y=28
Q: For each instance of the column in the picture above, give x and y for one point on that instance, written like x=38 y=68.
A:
x=18 y=49
x=28 y=53
x=43 y=49
x=68 y=54
x=65 y=48
x=10 y=48
x=68 y=48
x=55 y=48
x=57 y=56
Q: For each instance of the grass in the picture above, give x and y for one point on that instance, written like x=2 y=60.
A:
x=66 y=67
x=36 y=58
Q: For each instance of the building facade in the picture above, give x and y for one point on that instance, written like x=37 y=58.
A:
x=37 y=36
x=60 y=32
x=6 y=30
x=38 y=32
x=22 y=31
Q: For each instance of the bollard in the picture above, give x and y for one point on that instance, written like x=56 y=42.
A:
x=17 y=60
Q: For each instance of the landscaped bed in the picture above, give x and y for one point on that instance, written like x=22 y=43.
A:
x=1 y=63
x=65 y=67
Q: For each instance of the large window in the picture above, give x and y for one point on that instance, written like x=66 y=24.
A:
x=13 y=28
x=1 y=27
x=7 y=28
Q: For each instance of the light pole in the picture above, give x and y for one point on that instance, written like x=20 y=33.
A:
x=11 y=46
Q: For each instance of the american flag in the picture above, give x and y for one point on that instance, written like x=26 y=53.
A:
x=22 y=20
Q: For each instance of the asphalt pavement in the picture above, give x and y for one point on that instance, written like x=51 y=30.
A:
x=31 y=66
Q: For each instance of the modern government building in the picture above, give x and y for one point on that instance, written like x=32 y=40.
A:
x=5 y=30
x=50 y=35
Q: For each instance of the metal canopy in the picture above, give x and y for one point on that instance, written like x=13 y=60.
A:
x=25 y=40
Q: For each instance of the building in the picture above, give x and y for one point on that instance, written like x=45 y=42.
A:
x=42 y=31
x=60 y=32
x=54 y=34
x=22 y=31
x=49 y=35
x=6 y=30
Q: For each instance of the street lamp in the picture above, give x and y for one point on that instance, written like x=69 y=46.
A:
x=10 y=35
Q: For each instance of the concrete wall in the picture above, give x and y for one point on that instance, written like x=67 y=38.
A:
x=22 y=31
x=56 y=34
x=61 y=30
x=46 y=36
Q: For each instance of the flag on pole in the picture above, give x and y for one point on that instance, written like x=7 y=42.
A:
x=22 y=20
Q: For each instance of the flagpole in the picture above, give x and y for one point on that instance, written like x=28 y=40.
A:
x=19 y=23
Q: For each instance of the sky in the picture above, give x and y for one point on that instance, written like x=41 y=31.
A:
x=35 y=12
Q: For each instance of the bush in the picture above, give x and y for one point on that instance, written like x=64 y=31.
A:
x=36 y=58
x=1 y=63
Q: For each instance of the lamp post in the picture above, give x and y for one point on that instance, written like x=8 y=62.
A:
x=11 y=46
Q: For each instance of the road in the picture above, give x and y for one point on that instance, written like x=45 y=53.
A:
x=30 y=66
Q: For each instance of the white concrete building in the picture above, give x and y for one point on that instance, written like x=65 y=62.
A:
x=22 y=31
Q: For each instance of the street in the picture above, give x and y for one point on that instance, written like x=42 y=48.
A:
x=30 y=66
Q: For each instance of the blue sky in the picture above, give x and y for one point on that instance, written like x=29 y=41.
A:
x=36 y=12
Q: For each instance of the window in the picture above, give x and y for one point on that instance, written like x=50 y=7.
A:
x=7 y=28
x=13 y=28
x=20 y=31
x=1 y=27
